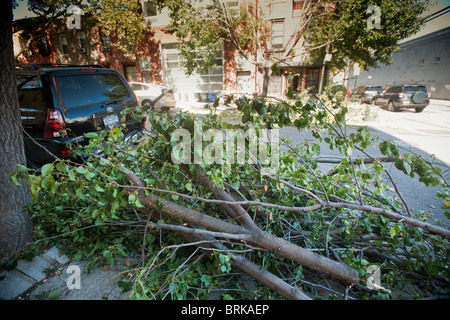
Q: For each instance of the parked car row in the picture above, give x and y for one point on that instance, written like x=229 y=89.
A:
x=394 y=97
x=61 y=103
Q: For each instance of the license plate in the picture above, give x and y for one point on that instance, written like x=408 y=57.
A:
x=111 y=120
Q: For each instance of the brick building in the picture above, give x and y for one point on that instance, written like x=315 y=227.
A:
x=159 y=59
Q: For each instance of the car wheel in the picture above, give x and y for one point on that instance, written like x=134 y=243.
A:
x=391 y=106
x=418 y=110
x=147 y=104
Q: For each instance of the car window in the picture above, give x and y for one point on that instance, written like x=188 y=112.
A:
x=87 y=89
x=414 y=89
x=29 y=91
x=136 y=86
x=374 y=88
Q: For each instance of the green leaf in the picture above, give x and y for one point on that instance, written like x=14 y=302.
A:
x=99 y=189
x=125 y=285
x=14 y=179
x=72 y=175
x=46 y=169
x=54 y=295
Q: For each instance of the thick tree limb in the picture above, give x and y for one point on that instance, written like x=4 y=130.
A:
x=260 y=238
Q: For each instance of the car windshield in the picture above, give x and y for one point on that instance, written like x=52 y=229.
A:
x=374 y=88
x=77 y=90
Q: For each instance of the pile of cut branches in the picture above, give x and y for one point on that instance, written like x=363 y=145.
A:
x=194 y=222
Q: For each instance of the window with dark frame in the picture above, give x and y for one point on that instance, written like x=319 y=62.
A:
x=63 y=44
x=106 y=43
x=149 y=9
x=43 y=46
x=82 y=42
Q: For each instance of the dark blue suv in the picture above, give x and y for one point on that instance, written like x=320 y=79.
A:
x=60 y=103
x=403 y=96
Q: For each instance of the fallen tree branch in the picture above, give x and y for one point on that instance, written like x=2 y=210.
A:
x=258 y=237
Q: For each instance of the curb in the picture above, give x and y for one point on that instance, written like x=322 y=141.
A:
x=445 y=103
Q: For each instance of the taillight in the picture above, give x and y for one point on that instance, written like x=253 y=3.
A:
x=54 y=124
x=429 y=95
x=401 y=95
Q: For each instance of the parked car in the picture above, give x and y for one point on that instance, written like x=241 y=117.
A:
x=60 y=103
x=149 y=93
x=404 y=96
x=365 y=94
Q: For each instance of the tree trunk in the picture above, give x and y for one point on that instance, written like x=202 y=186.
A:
x=15 y=223
x=267 y=72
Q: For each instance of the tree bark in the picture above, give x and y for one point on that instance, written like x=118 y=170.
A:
x=15 y=223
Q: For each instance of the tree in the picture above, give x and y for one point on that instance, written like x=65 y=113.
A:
x=15 y=223
x=365 y=32
x=121 y=18
x=325 y=26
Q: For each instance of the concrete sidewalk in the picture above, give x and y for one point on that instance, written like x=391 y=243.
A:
x=52 y=275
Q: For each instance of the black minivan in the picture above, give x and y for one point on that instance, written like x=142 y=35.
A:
x=60 y=103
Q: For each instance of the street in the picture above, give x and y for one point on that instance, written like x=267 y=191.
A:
x=428 y=131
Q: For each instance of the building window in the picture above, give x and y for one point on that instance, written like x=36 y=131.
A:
x=149 y=9
x=233 y=7
x=296 y=4
x=82 y=42
x=63 y=44
x=106 y=43
x=436 y=60
x=312 y=79
x=43 y=46
x=421 y=62
x=278 y=33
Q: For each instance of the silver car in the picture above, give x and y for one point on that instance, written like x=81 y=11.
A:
x=148 y=94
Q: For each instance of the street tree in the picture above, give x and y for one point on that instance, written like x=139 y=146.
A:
x=365 y=32
x=120 y=18
x=15 y=222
